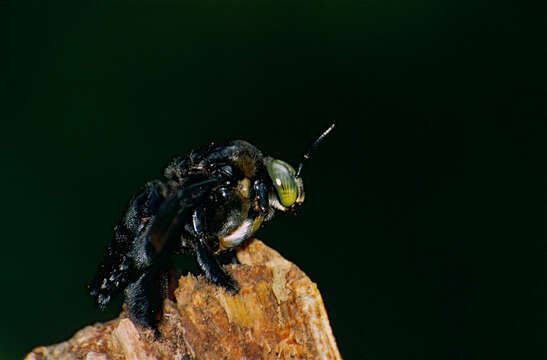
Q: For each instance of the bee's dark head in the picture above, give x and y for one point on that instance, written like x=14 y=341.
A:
x=288 y=184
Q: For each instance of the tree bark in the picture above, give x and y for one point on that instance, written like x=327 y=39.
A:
x=277 y=314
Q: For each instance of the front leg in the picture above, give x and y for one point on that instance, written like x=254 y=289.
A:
x=259 y=196
x=232 y=256
x=205 y=258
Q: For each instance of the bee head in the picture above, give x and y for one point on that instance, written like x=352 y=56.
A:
x=288 y=184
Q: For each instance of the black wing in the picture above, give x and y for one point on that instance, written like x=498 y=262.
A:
x=144 y=234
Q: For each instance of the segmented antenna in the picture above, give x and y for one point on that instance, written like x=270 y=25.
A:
x=312 y=147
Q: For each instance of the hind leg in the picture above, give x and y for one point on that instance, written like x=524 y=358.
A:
x=118 y=267
x=144 y=297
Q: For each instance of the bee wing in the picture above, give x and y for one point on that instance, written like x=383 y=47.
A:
x=128 y=254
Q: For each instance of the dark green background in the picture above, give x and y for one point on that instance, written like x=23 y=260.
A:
x=420 y=209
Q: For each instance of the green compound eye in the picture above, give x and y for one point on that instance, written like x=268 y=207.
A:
x=283 y=178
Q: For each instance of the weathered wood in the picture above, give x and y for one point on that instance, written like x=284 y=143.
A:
x=278 y=314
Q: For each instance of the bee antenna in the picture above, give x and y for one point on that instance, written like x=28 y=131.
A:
x=312 y=147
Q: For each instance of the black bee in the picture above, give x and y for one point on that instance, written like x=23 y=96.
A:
x=209 y=203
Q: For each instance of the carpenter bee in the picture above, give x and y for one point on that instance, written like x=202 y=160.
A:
x=209 y=203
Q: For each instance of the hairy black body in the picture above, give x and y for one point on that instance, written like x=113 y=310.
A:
x=209 y=202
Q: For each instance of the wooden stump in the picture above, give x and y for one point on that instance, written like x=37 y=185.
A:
x=278 y=314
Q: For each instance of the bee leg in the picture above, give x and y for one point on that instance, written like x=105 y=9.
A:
x=232 y=256
x=260 y=196
x=170 y=283
x=206 y=260
x=151 y=252
x=117 y=267
x=211 y=268
x=144 y=297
